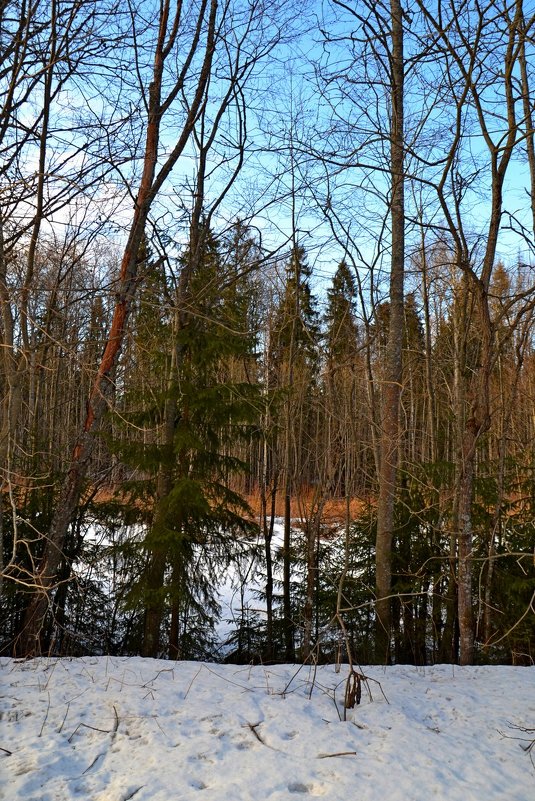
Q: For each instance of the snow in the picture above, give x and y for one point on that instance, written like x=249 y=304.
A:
x=112 y=729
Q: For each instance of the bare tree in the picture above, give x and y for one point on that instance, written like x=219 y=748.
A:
x=480 y=51
x=50 y=162
x=165 y=87
x=372 y=141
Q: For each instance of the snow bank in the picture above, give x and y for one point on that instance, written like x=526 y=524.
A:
x=114 y=729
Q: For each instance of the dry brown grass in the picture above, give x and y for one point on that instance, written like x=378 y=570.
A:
x=334 y=510
x=302 y=505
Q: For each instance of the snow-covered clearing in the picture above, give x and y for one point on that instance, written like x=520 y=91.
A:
x=113 y=729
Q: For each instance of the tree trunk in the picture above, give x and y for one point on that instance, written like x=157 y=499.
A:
x=267 y=530
x=313 y=530
x=286 y=578
x=478 y=423
x=465 y=538
x=393 y=357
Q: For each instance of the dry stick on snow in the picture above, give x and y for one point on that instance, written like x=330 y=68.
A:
x=112 y=731
x=313 y=682
x=253 y=727
x=529 y=748
x=155 y=719
x=229 y=681
x=96 y=759
x=133 y=793
x=46 y=716
x=191 y=682
x=51 y=668
x=159 y=673
x=87 y=726
x=64 y=718
x=299 y=669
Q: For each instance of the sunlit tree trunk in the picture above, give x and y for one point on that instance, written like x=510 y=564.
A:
x=393 y=357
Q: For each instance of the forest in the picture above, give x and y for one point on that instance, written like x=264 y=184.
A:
x=267 y=316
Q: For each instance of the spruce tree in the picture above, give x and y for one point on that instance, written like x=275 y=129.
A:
x=295 y=363
x=342 y=378
x=199 y=521
x=341 y=329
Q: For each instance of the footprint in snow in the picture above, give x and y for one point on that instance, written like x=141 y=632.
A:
x=196 y=784
x=289 y=735
x=299 y=787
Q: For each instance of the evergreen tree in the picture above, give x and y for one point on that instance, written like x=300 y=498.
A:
x=345 y=417
x=295 y=363
x=296 y=324
x=341 y=329
x=199 y=523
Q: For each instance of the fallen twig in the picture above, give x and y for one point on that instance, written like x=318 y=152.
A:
x=133 y=793
x=93 y=728
x=253 y=727
x=96 y=759
x=116 y=726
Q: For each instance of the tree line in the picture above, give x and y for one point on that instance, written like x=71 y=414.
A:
x=175 y=377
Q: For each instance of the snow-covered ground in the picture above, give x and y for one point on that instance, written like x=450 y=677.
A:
x=113 y=729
